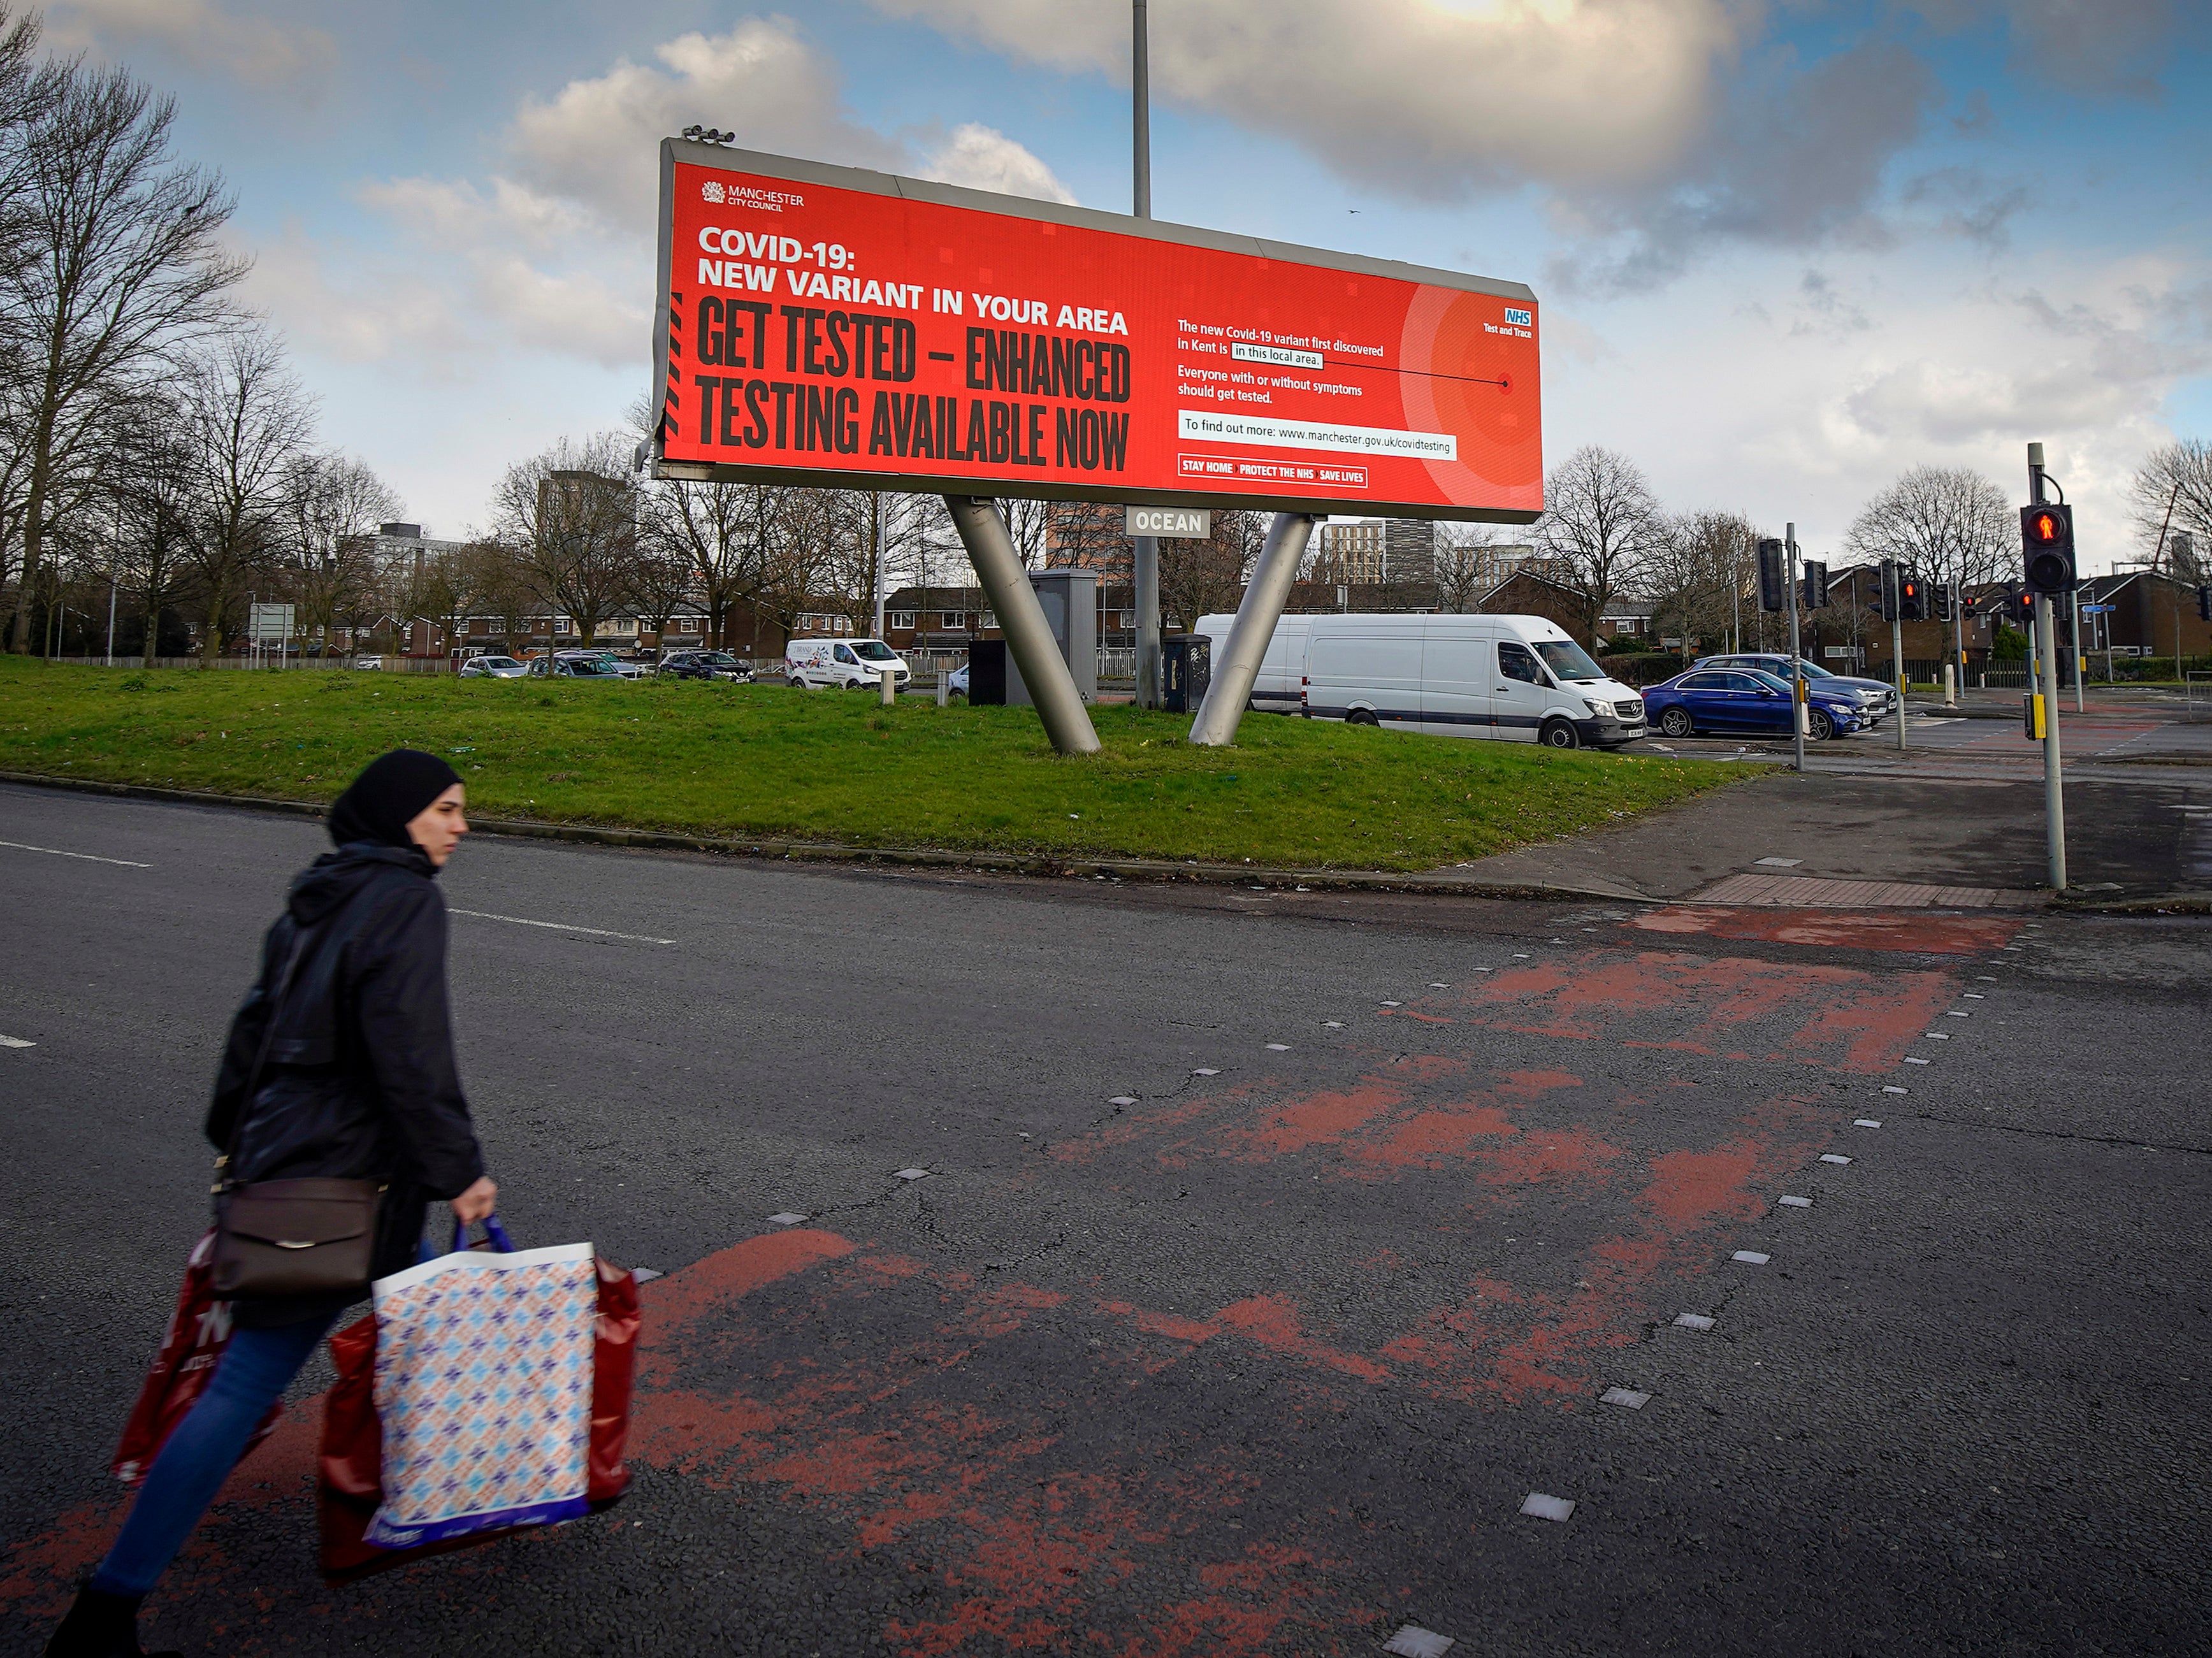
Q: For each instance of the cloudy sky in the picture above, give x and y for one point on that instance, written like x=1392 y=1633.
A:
x=1786 y=248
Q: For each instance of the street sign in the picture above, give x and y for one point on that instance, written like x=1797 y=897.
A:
x=267 y=623
x=2098 y=609
x=830 y=327
x=1172 y=523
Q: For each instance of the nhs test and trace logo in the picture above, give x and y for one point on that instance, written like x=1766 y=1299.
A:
x=1519 y=316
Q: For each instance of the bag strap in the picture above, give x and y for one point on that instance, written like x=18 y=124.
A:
x=493 y=1230
x=224 y=1178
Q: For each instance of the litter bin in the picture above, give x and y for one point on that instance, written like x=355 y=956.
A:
x=1186 y=670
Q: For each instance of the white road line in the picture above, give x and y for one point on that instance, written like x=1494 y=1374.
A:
x=561 y=926
x=56 y=852
x=15 y=1042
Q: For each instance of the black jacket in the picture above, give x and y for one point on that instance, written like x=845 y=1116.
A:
x=360 y=1083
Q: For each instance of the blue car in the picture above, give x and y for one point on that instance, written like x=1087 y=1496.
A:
x=1731 y=702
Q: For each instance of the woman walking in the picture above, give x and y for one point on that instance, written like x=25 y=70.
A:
x=340 y=1066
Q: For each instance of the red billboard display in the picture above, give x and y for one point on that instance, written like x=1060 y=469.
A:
x=826 y=326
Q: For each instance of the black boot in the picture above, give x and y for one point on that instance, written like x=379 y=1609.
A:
x=101 y=1625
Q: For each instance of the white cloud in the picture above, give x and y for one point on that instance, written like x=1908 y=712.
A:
x=1814 y=389
x=554 y=255
x=199 y=32
x=1414 y=97
x=983 y=158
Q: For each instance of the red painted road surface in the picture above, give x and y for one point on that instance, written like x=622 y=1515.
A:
x=1006 y=1447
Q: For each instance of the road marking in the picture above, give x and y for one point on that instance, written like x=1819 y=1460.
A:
x=1938 y=1035
x=1797 y=1203
x=1546 y=1508
x=1392 y=1004
x=1751 y=1258
x=910 y=1174
x=1627 y=1397
x=1693 y=1321
x=1834 y=1156
x=1891 y=1088
x=1122 y=1099
x=1206 y=1070
x=1914 y=1058
x=1279 y=1047
x=786 y=1218
x=1779 y=863
x=56 y=852
x=1332 y=1025
x=561 y=926
x=15 y=1042
x=645 y=1274
x=1866 y=1122
x=1414 y=1642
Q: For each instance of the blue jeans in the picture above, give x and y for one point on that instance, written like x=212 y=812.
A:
x=254 y=1371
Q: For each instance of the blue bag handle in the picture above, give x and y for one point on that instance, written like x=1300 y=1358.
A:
x=493 y=1230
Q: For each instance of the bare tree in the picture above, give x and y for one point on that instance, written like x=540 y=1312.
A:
x=245 y=421
x=500 y=578
x=713 y=531
x=1601 y=523
x=152 y=501
x=334 y=504
x=2173 y=491
x=121 y=261
x=571 y=511
x=1951 y=524
x=1203 y=578
x=2171 y=501
x=1465 y=564
x=1700 y=574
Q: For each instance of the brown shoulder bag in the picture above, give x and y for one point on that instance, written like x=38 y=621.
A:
x=288 y=1237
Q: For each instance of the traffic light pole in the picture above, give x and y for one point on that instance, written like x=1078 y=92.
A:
x=1796 y=662
x=1144 y=550
x=2046 y=646
x=1897 y=661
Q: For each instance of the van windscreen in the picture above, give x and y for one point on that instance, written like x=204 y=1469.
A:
x=1567 y=659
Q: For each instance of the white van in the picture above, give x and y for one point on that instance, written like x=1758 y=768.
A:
x=857 y=664
x=1276 y=689
x=1522 y=678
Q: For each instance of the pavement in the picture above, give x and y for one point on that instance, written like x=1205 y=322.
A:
x=1277 y=1252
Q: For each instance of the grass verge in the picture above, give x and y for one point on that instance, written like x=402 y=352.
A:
x=831 y=766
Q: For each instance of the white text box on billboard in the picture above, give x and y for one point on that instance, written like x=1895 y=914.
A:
x=1210 y=426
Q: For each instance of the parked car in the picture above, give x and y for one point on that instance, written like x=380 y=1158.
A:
x=1736 y=701
x=1513 y=678
x=857 y=664
x=369 y=662
x=955 y=682
x=1874 y=698
x=494 y=667
x=575 y=665
x=704 y=665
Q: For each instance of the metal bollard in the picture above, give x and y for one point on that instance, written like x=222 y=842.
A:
x=890 y=677
x=1950 y=685
x=944 y=688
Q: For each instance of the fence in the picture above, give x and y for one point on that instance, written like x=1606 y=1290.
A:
x=269 y=664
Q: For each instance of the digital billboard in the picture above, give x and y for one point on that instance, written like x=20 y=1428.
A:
x=827 y=325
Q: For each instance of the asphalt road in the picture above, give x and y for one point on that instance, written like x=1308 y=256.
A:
x=1263 y=1362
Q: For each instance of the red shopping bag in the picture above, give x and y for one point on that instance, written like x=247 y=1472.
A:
x=199 y=1332
x=350 y=1482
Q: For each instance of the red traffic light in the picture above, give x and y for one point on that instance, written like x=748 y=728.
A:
x=2046 y=529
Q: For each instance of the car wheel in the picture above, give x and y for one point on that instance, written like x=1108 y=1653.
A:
x=1675 y=722
x=1559 y=734
x=1362 y=717
x=1819 y=727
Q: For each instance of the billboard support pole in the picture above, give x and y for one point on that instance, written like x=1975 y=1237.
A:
x=1007 y=590
x=1145 y=550
x=1798 y=716
x=1249 y=635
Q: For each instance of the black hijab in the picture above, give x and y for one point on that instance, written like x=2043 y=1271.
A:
x=390 y=792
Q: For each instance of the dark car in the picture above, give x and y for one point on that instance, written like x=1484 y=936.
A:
x=575 y=665
x=703 y=664
x=1728 y=701
x=1874 y=697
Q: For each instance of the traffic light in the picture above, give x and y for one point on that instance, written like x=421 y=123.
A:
x=2020 y=606
x=2204 y=602
x=1911 y=597
x=1946 y=602
x=2046 y=535
x=1885 y=603
x=1773 y=578
x=1815 y=595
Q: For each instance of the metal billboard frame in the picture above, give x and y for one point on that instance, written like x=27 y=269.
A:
x=795 y=171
